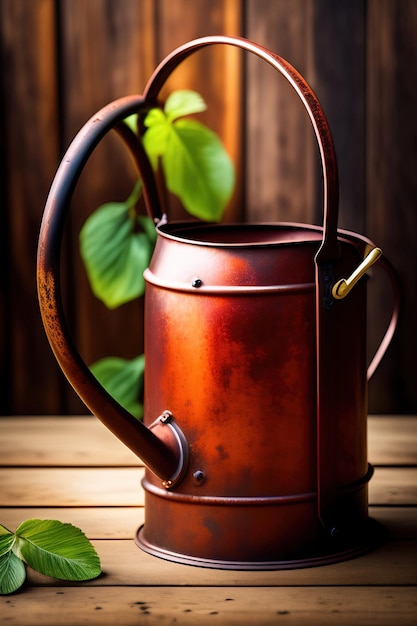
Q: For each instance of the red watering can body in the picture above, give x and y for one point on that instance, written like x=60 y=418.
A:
x=254 y=432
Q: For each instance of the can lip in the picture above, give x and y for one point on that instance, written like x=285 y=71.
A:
x=241 y=235
x=226 y=289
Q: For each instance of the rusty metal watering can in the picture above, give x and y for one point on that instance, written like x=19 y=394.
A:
x=254 y=432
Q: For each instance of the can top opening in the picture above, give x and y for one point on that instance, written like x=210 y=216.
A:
x=246 y=234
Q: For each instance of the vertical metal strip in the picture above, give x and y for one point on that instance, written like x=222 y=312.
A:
x=326 y=364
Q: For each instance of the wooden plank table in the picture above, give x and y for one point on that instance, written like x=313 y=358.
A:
x=72 y=469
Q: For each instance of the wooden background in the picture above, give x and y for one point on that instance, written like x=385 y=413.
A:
x=62 y=60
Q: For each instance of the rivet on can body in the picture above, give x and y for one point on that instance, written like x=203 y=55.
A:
x=197 y=282
x=199 y=477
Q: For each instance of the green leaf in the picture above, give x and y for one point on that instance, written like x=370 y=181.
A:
x=156 y=136
x=56 y=549
x=159 y=123
x=196 y=166
x=12 y=573
x=6 y=540
x=135 y=195
x=114 y=254
x=154 y=117
x=148 y=227
x=123 y=379
x=132 y=122
x=183 y=102
x=198 y=169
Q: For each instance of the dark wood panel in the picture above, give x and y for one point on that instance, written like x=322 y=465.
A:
x=62 y=61
x=359 y=58
x=30 y=380
x=338 y=77
x=129 y=43
x=281 y=149
x=325 y=42
x=107 y=52
x=215 y=72
x=392 y=187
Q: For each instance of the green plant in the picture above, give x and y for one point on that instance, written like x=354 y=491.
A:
x=116 y=243
x=49 y=547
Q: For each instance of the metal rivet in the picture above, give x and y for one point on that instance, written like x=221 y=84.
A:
x=334 y=532
x=197 y=282
x=165 y=417
x=199 y=477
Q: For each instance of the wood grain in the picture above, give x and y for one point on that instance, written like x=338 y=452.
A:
x=392 y=188
x=124 y=563
x=97 y=447
x=30 y=150
x=390 y=486
x=391 y=440
x=97 y=522
x=376 y=589
x=118 y=63
x=216 y=73
x=210 y=605
x=121 y=522
x=280 y=141
x=121 y=486
x=71 y=487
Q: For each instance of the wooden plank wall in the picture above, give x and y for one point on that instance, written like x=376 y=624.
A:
x=62 y=60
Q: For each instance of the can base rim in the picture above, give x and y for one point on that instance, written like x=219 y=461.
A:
x=372 y=534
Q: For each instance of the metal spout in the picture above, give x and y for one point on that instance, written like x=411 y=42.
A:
x=161 y=449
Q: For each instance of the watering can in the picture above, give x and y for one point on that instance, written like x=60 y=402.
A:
x=255 y=398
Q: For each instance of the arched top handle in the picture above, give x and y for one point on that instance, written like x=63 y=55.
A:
x=329 y=249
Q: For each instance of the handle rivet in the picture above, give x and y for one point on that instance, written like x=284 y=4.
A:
x=197 y=282
x=345 y=285
x=166 y=417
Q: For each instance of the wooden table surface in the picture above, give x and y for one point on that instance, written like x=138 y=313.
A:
x=72 y=469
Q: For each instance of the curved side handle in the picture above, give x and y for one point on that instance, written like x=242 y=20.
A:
x=326 y=477
x=364 y=246
x=384 y=264
x=161 y=449
x=329 y=249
